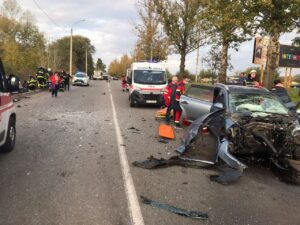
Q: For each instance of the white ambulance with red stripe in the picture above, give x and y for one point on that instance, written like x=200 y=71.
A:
x=147 y=82
x=7 y=115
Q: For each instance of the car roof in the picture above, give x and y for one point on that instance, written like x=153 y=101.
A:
x=244 y=89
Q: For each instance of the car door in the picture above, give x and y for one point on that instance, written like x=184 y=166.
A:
x=4 y=97
x=196 y=102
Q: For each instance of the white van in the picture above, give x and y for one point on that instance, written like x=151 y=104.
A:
x=146 y=82
x=7 y=115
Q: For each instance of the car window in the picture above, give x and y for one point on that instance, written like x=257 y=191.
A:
x=82 y=75
x=254 y=102
x=200 y=92
x=2 y=78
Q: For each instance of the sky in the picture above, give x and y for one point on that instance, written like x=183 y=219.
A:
x=109 y=25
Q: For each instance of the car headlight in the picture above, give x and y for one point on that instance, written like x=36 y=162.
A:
x=137 y=89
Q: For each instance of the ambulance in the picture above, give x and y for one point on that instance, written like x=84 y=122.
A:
x=7 y=115
x=146 y=83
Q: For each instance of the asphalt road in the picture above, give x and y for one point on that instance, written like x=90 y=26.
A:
x=66 y=169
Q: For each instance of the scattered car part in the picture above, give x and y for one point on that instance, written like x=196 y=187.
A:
x=175 y=210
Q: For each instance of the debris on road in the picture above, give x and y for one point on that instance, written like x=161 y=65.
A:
x=154 y=163
x=48 y=120
x=163 y=140
x=229 y=176
x=175 y=210
x=133 y=128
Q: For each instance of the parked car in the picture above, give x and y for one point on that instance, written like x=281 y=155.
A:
x=245 y=124
x=81 y=78
x=105 y=77
x=115 y=78
x=97 y=76
x=7 y=113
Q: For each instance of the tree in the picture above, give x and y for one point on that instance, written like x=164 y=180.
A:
x=11 y=9
x=151 y=44
x=119 y=67
x=228 y=23
x=59 y=54
x=100 y=65
x=275 y=17
x=182 y=25
x=214 y=61
x=22 y=45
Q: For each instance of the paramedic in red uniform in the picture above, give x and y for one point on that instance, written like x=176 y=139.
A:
x=55 y=82
x=172 y=96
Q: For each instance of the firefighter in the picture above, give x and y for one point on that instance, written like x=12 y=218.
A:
x=280 y=91
x=172 y=95
x=32 y=83
x=66 y=80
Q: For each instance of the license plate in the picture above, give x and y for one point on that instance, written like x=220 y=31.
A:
x=151 y=101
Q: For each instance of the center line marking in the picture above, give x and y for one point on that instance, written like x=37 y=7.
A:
x=132 y=199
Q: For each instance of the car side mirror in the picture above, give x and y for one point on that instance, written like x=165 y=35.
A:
x=218 y=105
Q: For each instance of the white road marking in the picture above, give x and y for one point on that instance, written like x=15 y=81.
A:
x=132 y=199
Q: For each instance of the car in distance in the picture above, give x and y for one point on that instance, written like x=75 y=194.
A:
x=81 y=79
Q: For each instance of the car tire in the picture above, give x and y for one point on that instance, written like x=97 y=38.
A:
x=10 y=137
x=132 y=104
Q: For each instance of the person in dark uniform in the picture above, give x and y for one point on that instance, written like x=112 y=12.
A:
x=66 y=80
x=172 y=95
x=280 y=91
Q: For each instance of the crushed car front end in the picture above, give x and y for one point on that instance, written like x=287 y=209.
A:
x=256 y=126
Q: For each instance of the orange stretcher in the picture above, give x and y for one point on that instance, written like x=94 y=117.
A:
x=161 y=114
x=166 y=131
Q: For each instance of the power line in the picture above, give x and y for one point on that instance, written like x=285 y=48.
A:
x=40 y=8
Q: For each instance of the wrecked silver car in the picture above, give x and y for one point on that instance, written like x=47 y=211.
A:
x=247 y=124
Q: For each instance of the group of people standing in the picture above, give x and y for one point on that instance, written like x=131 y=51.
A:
x=278 y=89
x=59 y=79
x=250 y=79
x=172 y=95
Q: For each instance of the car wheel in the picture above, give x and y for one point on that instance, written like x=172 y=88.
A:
x=132 y=104
x=10 y=137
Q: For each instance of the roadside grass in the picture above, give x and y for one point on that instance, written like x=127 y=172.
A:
x=294 y=94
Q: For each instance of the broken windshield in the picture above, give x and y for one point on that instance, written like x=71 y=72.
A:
x=149 y=77
x=256 y=103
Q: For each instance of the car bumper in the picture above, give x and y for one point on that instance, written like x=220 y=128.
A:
x=79 y=82
x=145 y=99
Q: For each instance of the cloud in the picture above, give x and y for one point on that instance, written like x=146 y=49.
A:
x=109 y=25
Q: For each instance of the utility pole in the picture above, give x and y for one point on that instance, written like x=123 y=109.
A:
x=71 y=51
x=197 y=63
x=86 y=61
x=71 y=45
x=151 y=52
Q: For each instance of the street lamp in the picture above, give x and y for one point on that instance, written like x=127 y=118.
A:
x=71 y=44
